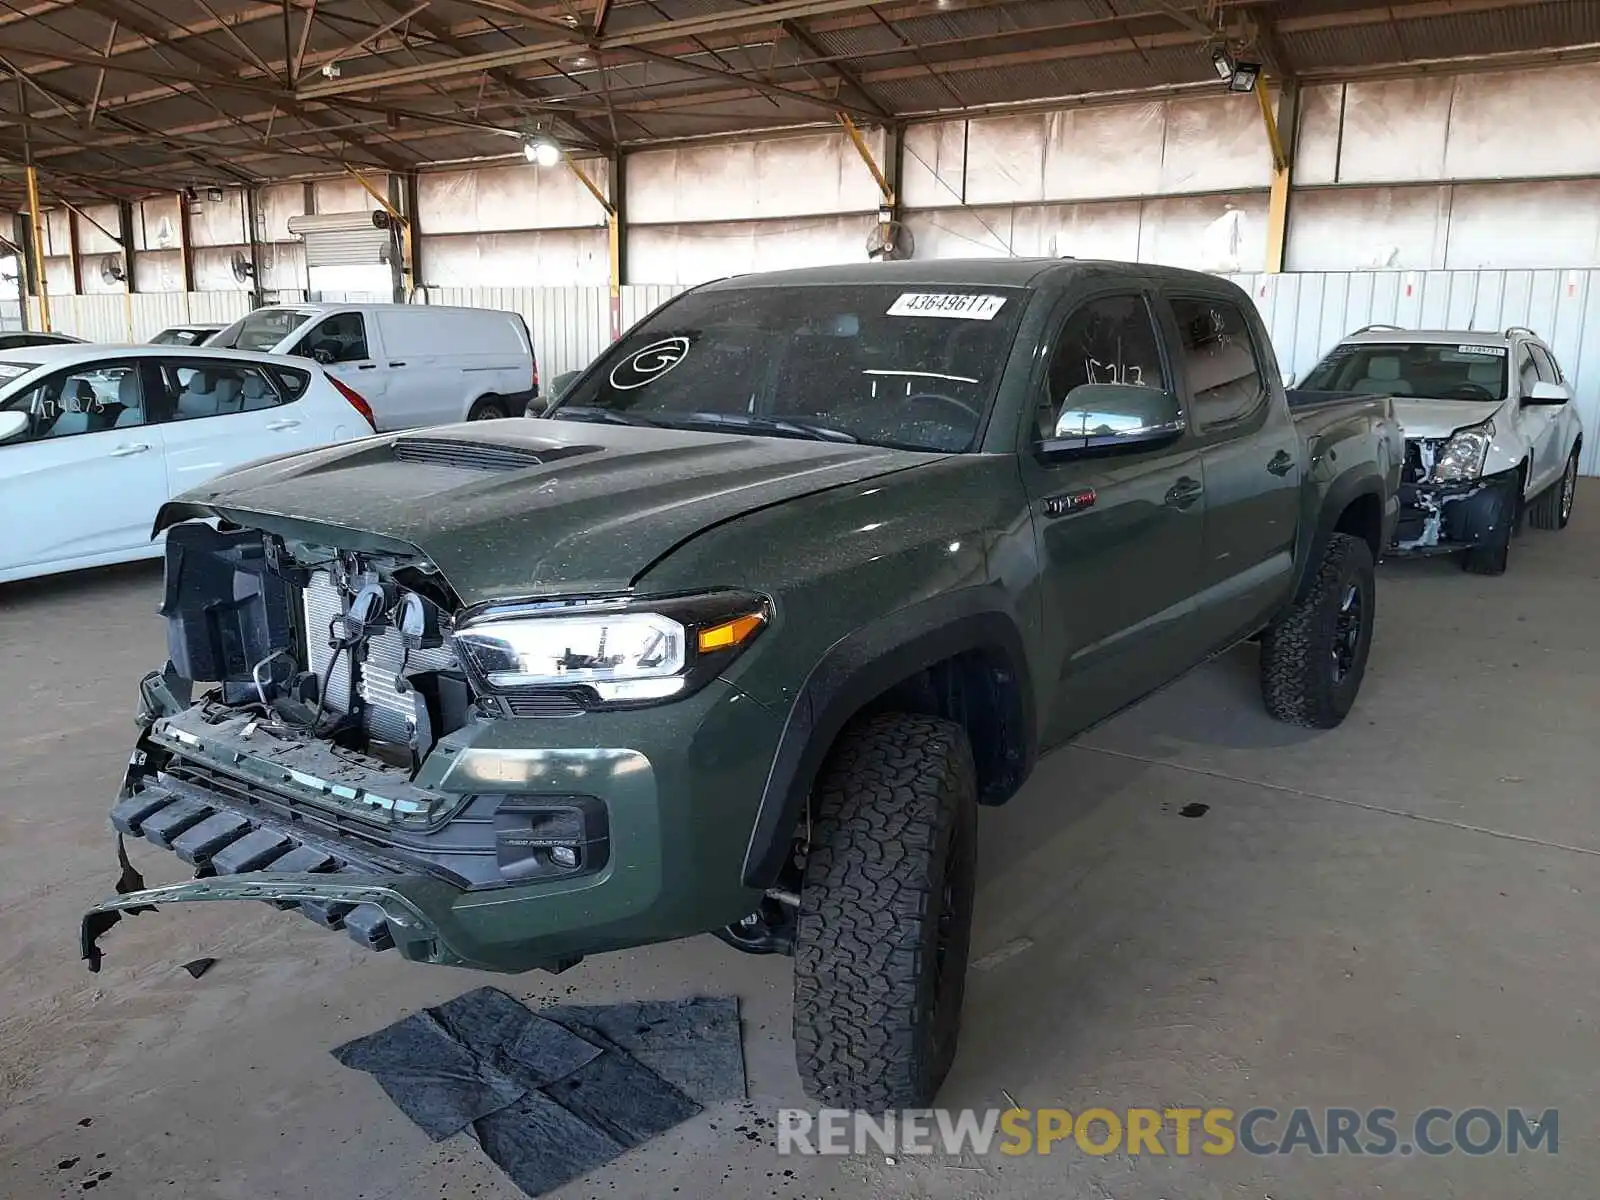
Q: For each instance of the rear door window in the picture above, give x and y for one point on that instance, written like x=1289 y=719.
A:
x=1218 y=359
x=194 y=389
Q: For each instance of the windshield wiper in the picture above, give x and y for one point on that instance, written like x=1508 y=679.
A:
x=784 y=426
x=611 y=416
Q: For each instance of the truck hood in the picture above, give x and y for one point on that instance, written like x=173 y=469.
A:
x=521 y=507
x=1440 y=418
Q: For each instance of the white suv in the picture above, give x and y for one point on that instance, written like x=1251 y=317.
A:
x=1491 y=433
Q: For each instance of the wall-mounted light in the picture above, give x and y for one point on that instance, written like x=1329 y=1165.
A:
x=542 y=150
x=1238 y=74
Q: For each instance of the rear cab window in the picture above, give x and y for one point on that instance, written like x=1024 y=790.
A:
x=1429 y=370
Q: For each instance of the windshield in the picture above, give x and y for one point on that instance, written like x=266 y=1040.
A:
x=181 y=336
x=1428 y=370
x=265 y=328
x=890 y=365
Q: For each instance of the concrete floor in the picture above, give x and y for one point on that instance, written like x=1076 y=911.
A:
x=1400 y=913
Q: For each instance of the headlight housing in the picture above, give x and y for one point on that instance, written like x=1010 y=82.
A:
x=609 y=653
x=1463 y=456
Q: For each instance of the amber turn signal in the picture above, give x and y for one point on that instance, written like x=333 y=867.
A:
x=730 y=633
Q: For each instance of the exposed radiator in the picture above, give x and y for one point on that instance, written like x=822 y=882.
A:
x=389 y=712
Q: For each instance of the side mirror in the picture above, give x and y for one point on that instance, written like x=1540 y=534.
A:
x=1288 y=381
x=561 y=383
x=12 y=425
x=1548 y=393
x=1107 y=416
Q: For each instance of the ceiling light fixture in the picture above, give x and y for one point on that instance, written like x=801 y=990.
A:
x=1239 y=74
x=542 y=150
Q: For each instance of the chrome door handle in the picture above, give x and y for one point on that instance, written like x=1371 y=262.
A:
x=131 y=448
x=1280 y=463
x=279 y=426
x=1184 y=493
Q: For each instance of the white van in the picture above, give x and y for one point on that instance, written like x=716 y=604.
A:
x=416 y=364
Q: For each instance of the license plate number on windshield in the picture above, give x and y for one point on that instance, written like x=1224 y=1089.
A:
x=965 y=307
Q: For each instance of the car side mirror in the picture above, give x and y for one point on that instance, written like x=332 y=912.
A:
x=561 y=383
x=1109 y=416
x=12 y=425
x=1545 y=392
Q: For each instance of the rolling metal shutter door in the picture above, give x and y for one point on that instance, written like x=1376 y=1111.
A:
x=344 y=239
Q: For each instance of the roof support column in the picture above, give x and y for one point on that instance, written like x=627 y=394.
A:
x=613 y=232
x=1282 y=129
x=886 y=176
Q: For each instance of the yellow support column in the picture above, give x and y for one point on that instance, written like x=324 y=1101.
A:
x=1282 y=169
x=37 y=220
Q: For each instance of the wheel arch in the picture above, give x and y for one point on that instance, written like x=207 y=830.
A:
x=1353 y=504
x=959 y=656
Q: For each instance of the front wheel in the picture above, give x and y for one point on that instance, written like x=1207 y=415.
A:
x=1314 y=656
x=885 y=916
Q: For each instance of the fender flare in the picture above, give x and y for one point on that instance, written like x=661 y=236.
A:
x=853 y=672
x=1352 y=486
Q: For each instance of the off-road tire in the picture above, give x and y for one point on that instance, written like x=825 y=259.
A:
x=889 y=877
x=488 y=408
x=1552 y=508
x=1300 y=683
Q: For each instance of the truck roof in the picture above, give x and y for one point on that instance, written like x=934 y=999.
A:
x=957 y=272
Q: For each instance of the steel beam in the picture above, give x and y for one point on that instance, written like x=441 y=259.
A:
x=757 y=16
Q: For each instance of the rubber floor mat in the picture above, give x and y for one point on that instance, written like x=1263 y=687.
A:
x=552 y=1095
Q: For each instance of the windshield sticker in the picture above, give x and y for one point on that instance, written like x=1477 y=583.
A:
x=963 y=307
x=15 y=370
x=1497 y=351
x=649 y=364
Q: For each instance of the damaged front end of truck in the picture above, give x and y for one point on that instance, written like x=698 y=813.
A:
x=326 y=765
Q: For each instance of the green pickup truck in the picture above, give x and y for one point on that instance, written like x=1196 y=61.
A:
x=737 y=639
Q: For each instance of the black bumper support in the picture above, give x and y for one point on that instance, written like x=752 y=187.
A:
x=1443 y=518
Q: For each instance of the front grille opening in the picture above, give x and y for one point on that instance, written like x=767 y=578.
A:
x=543 y=704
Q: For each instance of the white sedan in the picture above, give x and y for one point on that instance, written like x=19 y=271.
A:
x=95 y=439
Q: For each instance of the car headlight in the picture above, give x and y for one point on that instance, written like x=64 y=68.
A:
x=1463 y=455
x=609 y=654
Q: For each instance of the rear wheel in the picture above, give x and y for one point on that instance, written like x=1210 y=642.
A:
x=886 y=914
x=1314 y=656
x=1553 y=508
x=490 y=408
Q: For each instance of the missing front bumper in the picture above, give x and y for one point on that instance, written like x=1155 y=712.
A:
x=1445 y=518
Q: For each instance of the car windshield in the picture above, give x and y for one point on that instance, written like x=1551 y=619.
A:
x=911 y=366
x=180 y=336
x=1427 y=370
x=265 y=328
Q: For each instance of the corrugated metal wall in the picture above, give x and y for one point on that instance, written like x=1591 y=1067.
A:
x=570 y=326
x=1307 y=313
x=121 y=317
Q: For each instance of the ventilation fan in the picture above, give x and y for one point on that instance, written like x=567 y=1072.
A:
x=890 y=241
x=111 y=269
x=243 y=269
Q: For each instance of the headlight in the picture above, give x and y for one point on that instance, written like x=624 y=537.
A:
x=605 y=654
x=1463 y=455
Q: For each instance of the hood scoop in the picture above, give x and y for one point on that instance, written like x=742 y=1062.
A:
x=481 y=456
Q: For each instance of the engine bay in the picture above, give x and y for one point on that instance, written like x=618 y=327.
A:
x=315 y=642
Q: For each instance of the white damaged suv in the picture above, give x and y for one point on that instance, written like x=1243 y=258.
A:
x=1491 y=434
